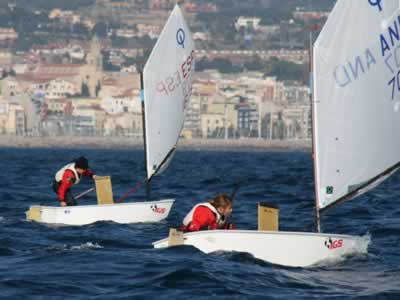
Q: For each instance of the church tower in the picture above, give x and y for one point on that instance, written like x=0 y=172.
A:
x=94 y=67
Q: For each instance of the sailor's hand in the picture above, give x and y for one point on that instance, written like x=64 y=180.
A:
x=231 y=227
x=63 y=203
x=94 y=176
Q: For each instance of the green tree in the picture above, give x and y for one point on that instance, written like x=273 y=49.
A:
x=285 y=70
x=98 y=88
x=100 y=29
x=80 y=29
x=256 y=64
x=85 y=90
x=223 y=65
x=48 y=5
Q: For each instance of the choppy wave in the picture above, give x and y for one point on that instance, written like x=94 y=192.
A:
x=107 y=261
x=85 y=246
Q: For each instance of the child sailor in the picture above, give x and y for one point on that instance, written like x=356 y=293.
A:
x=69 y=175
x=209 y=215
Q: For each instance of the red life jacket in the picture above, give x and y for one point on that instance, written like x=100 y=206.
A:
x=202 y=217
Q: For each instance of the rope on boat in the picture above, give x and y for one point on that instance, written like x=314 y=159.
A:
x=84 y=193
x=131 y=191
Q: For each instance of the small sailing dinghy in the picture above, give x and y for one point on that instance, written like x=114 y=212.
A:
x=166 y=91
x=356 y=125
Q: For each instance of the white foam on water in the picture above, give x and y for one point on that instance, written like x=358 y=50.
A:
x=363 y=244
x=360 y=249
x=85 y=246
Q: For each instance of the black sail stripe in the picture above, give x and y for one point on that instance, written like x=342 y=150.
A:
x=163 y=162
x=357 y=192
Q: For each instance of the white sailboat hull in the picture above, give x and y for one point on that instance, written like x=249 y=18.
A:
x=293 y=249
x=124 y=213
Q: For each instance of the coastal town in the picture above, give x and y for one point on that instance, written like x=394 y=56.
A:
x=75 y=72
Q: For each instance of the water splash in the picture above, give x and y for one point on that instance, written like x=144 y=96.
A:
x=85 y=246
x=359 y=250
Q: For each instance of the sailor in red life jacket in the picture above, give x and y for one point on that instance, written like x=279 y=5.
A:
x=69 y=175
x=209 y=215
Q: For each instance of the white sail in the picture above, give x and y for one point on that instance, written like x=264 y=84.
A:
x=356 y=103
x=167 y=90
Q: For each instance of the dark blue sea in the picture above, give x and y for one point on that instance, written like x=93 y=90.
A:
x=111 y=261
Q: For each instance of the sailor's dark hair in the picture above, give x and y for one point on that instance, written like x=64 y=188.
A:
x=81 y=163
x=221 y=200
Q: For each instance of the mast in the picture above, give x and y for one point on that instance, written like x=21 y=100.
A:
x=311 y=53
x=144 y=134
x=225 y=124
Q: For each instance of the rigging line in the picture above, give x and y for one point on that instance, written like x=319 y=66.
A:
x=232 y=195
x=134 y=189
x=235 y=189
x=84 y=193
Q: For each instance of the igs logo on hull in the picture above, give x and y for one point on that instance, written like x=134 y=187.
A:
x=333 y=244
x=158 y=210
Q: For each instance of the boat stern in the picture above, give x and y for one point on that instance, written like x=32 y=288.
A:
x=161 y=244
x=175 y=238
x=34 y=214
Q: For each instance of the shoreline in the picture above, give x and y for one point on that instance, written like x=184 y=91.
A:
x=126 y=143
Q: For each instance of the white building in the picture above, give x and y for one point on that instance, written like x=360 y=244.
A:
x=192 y=126
x=129 y=69
x=126 y=33
x=247 y=23
x=54 y=89
x=9 y=87
x=21 y=68
x=8 y=34
x=76 y=52
x=127 y=102
x=87 y=120
x=60 y=88
x=153 y=31
x=126 y=124
x=12 y=118
x=56 y=106
x=201 y=36
x=66 y=16
x=297 y=120
x=6 y=61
